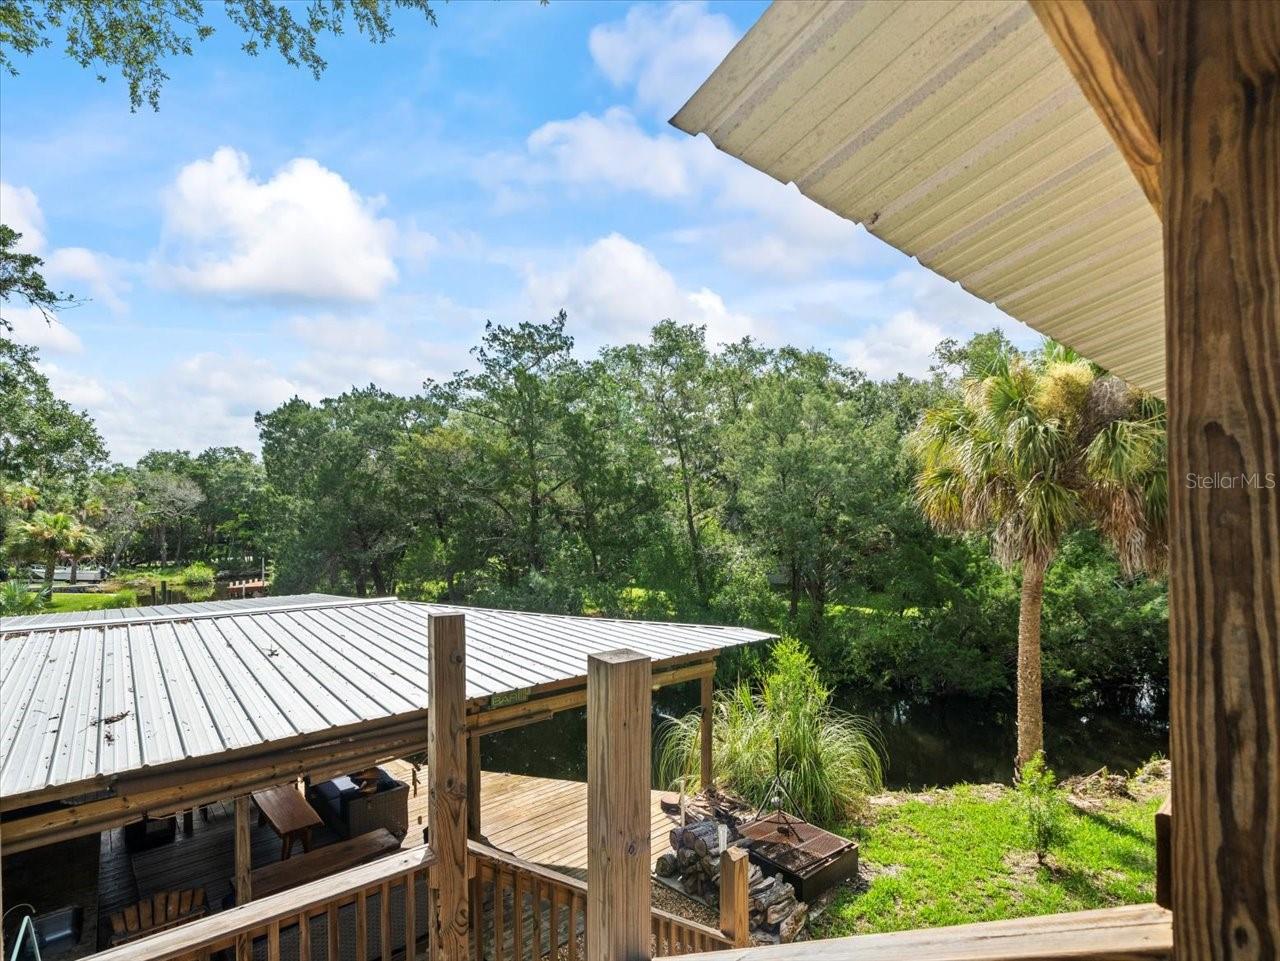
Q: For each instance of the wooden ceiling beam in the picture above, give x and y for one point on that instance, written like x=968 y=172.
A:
x=1112 y=48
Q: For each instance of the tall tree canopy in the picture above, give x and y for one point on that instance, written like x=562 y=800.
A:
x=1032 y=449
x=135 y=38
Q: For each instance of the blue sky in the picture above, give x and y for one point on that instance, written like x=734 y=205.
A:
x=266 y=234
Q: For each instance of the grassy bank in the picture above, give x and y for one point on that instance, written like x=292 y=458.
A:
x=60 y=603
x=959 y=855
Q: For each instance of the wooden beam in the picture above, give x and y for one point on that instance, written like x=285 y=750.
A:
x=447 y=784
x=1111 y=47
x=618 y=772
x=735 y=908
x=707 y=688
x=1220 y=121
x=244 y=850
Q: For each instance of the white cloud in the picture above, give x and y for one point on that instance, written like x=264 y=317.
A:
x=303 y=234
x=616 y=290
x=664 y=53
x=20 y=209
x=614 y=151
x=902 y=344
x=923 y=309
x=82 y=267
x=31 y=327
x=72 y=267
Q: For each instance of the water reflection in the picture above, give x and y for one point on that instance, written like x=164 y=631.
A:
x=929 y=743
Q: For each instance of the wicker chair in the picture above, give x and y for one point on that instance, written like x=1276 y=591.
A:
x=350 y=812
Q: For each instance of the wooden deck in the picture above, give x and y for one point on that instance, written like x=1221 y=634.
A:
x=537 y=819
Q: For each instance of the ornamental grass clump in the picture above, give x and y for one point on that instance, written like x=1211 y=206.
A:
x=830 y=760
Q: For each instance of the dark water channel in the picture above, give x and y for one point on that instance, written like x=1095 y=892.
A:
x=929 y=744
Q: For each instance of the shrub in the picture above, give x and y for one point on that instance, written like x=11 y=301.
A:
x=15 y=599
x=1042 y=806
x=198 y=574
x=126 y=597
x=830 y=760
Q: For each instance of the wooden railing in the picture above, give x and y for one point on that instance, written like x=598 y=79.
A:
x=1141 y=932
x=369 y=912
x=524 y=912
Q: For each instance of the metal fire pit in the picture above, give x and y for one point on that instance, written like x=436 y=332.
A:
x=808 y=857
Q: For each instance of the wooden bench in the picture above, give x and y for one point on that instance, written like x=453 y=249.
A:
x=165 y=909
x=282 y=875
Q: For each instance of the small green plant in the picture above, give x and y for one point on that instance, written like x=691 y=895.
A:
x=830 y=760
x=198 y=574
x=15 y=599
x=1042 y=806
x=126 y=597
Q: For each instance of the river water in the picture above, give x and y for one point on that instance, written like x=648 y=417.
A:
x=928 y=744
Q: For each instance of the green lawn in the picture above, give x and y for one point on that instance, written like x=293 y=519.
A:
x=62 y=602
x=955 y=856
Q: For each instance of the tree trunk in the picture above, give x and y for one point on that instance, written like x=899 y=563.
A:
x=691 y=527
x=1030 y=705
x=75 y=567
x=795 y=587
x=49 y=565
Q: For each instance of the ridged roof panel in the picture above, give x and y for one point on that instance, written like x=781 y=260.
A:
x=953 y=131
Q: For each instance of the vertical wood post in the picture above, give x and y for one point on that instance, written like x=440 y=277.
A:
x=618 y=763
x=1220 y=132
x=735 y=912
x=473 y=787
x=244 y=851
x=447 y=784
x=708 y=686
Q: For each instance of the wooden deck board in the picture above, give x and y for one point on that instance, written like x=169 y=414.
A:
x=537 y=819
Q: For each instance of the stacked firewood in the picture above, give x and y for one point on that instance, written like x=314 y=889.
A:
x=774 y=908
x=694 y=858
x=693 y=865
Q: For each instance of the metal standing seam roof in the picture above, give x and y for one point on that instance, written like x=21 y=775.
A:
x=952 y=130
x=86 y=698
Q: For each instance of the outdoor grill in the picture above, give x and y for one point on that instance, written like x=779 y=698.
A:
x=811 y=859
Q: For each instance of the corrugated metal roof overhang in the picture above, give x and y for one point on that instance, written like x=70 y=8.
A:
x=86 y=699
x=954 y=131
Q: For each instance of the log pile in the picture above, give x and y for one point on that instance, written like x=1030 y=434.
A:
x=693 y=866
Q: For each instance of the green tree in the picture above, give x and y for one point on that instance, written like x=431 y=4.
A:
x=1031 y=449
x=671 y=380
x=46 y=536
x=44 y=441
x=20 y=277
x=136 y=37
x=336 y=514
x=513 y=406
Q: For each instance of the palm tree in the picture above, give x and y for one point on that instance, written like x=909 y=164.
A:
x=1029 y=450
x=46 y=536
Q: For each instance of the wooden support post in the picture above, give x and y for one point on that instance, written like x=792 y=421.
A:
x=708 y=715
x=1220 y=130
x=735 y=911
x=618 y=771
x=1164 y=854
x=473 y=786
x=244 y=853
x=447 y=785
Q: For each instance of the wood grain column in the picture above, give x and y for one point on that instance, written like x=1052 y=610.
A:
x=244 y=852
x=1220 y=127
x=447 y=784
x=708 y=715
x=618 y=764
